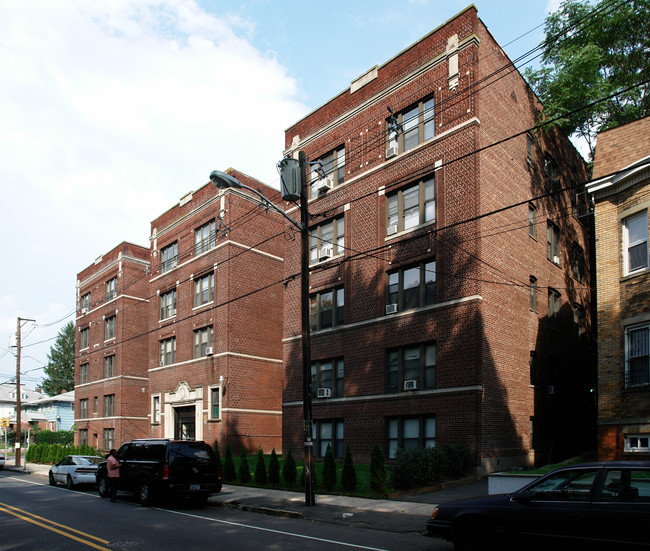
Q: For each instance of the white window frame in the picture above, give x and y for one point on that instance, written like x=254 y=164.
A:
x=399 y=218
x=168 y=304
x=199 y=289
x=317 y=243
x=155 y=411
x=211 y=389
x=205 y=237
x=627 y=245
x=628 y=383
x=637 y=443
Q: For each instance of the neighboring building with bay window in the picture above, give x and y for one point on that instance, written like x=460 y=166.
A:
x=183 y=339
x=620 y=188
x=430 y=274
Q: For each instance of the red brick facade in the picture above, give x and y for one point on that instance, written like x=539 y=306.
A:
x=620 y=190
x=444 y=361
x=198 y=343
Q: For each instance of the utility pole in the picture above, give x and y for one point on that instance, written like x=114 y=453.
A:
x=18 y=404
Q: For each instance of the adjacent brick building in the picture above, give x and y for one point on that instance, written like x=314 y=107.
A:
x=183 y=339
x=620 y=188
x=449 y=281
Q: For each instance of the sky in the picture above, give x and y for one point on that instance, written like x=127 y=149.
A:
x=112 y=110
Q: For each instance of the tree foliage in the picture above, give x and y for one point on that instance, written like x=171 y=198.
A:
x=592 y=52
x=329 y=469
x=59 y=373
x=348 y=474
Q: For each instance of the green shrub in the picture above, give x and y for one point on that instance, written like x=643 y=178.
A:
x=244 y=469
x=348 y=474
x=329 y=470
x=289 y=470
x=424 y=466
x=274 y=469
x=377 y=469
x=217 y=455
x=229 y=472
x=260 y=468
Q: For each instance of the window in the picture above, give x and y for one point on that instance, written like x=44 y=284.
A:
x=84 y=338
x=83 y=437
x=109 y=328
x=330 y=173
x=637 y=356
x=532 y=221
x=83 y=408
x=168 y=304
x=109 y=439
x=84 y=303
x=327 y=240
x=637 y=443
x=412 y=368
x=635 y=242
x=533 y=294
x=578 y=265
x=155 y=409
x=109 y=405
x=530 y=142
x=410 y=127
x=567 y=485
x=205 y=237
x=202 y=340
x=411 y=206
x=213 y=406
x=111 y=289
x=204 y=289
x=553 y=309
x=410 y=433
x=169 y=257
x=95 y=404
x=327 y=374
x=579 y=320
x=326 y=433
x=552 y=182
x=83 y=374
x=553 y=243
x=168 y=351
x=412 y=287
x=109 y=366
x=326 y=309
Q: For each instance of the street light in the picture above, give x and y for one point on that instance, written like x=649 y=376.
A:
x=295 y=171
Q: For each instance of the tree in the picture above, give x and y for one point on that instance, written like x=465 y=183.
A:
x=348 y=474
x=329 y=469
x=60 y=363
x=377 y=469
x=274 y=468
x=244 y=469
x=260 y=468
x=289 y=470
x=229 y=472
x=590 y=53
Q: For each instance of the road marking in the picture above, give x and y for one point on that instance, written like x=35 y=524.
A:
x=280 y=532
x=64 y=530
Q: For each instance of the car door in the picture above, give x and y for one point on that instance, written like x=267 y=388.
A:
x=129 y=459
x=554 y=509
x=621 y=509
x=63 y=469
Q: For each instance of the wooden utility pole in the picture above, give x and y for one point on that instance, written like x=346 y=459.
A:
x=18 y=392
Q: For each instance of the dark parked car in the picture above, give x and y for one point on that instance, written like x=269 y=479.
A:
x=603 y=505
x=155 y=468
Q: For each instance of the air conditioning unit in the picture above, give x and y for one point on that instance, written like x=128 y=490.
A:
x=208 y=351
x=411 y=385
x=324 y=392
x=327 y=251
x=556 y=259
x=162 y=362
x=84 y=311
x=391 y=151
x=551 y=389
x=325 y=184
x=391 y=229
x=391 y=308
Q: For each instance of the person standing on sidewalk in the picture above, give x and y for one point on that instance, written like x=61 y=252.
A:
x=113 y=468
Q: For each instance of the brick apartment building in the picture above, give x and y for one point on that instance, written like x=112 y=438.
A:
x=620 y=189
x=449 y=271
x=183 y=339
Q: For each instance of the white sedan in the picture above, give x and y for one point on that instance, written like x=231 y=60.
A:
x=2 y=461
x=74 y=469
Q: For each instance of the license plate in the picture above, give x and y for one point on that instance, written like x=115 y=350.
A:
x=195 y=487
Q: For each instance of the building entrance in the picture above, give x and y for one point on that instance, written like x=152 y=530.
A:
x=184 y=423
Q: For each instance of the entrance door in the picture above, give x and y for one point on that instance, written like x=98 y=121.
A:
x=184 y=423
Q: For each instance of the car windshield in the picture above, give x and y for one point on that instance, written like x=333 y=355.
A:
x=89 y=460
x=193 y=451
x=564 y=486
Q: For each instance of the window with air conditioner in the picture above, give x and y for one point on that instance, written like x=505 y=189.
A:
x=169 y=257
x=553 y=243
x=327 y=240
x=411 y=368
x=168 y=304
x=329 y=173
x=411 y=206
x=410 y=127
x=327 y=378
x=411 y=287
x=202 y=341
x=84 y=303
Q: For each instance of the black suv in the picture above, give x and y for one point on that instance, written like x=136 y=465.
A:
x=152 y=468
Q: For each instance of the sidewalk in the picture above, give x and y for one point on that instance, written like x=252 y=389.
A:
x=406 y=514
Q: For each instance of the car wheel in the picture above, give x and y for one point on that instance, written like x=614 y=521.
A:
x=51 y=478
x=102 y=486
x=69 y=484
x=473 y=535
x=145 y=493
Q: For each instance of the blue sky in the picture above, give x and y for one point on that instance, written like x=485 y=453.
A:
x=111 y=111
